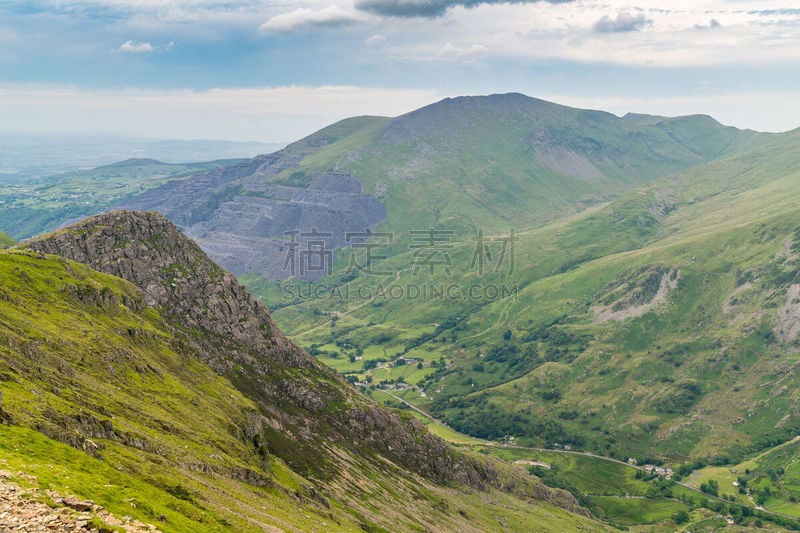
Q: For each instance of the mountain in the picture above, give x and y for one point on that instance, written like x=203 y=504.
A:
x=519 y=333
x=651 y=326
x=462 y=164
x=137 y=373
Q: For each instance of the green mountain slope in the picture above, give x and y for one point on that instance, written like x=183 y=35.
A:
x=662 y=324
x=507 y=160
x=191 y=411
x=459 y=166
x=5 y=240
x=511 y=160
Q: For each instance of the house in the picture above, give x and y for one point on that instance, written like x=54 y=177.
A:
x=664 y=472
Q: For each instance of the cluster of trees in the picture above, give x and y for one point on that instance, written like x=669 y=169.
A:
x=558 y=343
x=479 y=417
x=710 y=487
x=681 y=398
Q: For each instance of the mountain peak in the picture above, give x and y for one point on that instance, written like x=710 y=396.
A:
x=175 y=276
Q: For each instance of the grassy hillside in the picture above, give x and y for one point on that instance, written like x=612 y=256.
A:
x=109 y=399
x=506 y=160
x=5 y=240
x=662 y=324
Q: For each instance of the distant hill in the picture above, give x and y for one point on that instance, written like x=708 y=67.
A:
x=26 y=156
x=134 y=162
x=38 y=205
x=490 y=162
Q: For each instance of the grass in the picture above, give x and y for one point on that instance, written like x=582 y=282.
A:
x=156 y=433
x=6 y=240
x=642 y=511
x=69 y=471
x=623 y=391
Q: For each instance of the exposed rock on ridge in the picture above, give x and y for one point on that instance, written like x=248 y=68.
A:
x=307 y=415
x=175 y=275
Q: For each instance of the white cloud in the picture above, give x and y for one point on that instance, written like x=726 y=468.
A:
x=451 y=51
x=375 y=40
x=268 y=114
x=163 y=10
x=624 y=22
x=569 y=32
x=744 y=32
x=136 y=48
x=302 y=18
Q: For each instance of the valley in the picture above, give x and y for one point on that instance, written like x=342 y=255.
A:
x=399 y=266
x=568 y=295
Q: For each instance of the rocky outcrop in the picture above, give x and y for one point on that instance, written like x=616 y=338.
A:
x=22 y=511
x=175 y=276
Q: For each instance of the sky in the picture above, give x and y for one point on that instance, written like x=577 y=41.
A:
x=275 y=70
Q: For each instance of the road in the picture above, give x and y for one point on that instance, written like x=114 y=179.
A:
x=574 y=452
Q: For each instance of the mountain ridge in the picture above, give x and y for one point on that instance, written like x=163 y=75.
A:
x=463 y=163
x=287 y=408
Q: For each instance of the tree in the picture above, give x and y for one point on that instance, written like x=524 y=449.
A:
x=712 y=487
x=681 y=517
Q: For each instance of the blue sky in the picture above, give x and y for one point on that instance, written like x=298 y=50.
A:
x=277 y=70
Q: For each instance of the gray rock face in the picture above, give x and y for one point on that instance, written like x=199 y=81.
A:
x=174 y=275
x=244 y=222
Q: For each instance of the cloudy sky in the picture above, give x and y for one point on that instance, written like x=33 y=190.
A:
x=275 y=70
